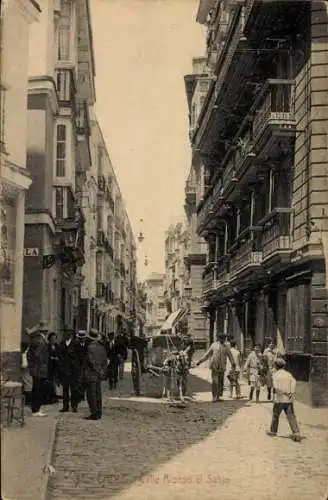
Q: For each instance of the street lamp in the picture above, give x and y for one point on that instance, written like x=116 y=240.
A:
x=141 y=236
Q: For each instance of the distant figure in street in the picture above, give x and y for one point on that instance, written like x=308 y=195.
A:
x=82 y=344
x=53 y=349
x=285 y=388
x=269 y=358
x=37 y=358
x=218 y=354
x=95 y=370
x=69 y=370
x=254 y=371
x=113 y=358
x=234 y=375
x=189 y=344
x=121 y=346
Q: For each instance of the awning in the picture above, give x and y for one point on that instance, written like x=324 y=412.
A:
x=173 y=319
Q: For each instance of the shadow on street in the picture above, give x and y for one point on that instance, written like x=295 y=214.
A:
x=131 y=441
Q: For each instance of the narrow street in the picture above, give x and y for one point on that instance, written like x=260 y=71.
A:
x=145 y=448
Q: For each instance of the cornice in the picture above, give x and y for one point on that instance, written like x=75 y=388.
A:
x=38 y=85
x=30 y=9
x=14 y=175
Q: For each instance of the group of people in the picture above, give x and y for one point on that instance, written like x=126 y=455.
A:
x=263 y=367
x=78 y=362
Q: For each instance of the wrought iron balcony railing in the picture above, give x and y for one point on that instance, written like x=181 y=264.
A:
x=245 y=257
x=276 y=106
x=276 y=235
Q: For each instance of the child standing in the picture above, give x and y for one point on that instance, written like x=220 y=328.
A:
x=253 y=369
x=234 y=375
x=285 y=386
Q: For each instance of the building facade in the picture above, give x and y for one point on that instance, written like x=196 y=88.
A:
x=156 y=311
x=18 y=19
x=115 y=251
x=196 y=86
x=261 y=138
x=60 y=94
x=177 y=287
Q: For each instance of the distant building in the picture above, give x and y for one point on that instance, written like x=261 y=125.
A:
x=156 y=312
x=177 y=279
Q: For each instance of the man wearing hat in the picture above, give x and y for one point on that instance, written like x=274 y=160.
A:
x=82 y=344
x=284 y=386
x=69 y=370
x=95 y=370
x=37 y=358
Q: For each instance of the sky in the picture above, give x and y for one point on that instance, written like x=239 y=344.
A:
x=143 y=49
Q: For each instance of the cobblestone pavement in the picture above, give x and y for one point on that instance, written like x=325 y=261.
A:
x=144 y=448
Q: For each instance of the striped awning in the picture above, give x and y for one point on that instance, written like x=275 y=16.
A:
x=173 y=319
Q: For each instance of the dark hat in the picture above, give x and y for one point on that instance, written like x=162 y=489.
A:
x=94 y=334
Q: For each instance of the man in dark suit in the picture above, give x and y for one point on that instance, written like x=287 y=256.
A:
x=37 y=357
x=95 y=370
x=69 y=370
x=82 y=344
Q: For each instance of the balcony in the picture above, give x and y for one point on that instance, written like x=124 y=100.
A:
x=82 y=119
x=101 y=238
x=274 y=116
x=190 y=192
x=100 y=290
x=101 y=183
x=276 y=235
x=245 y=260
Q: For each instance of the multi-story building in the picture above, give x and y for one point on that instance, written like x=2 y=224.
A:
x=261 y=137
x=196 y=88
x=17 y=24
x=177 y=277
x=115 y=247
x=156 y=312
x=141 y=306
x=60 y=94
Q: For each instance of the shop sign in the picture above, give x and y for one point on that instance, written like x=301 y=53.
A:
x=31 y=252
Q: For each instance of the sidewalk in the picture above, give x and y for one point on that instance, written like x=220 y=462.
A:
x=239 y=460
x=25 y=453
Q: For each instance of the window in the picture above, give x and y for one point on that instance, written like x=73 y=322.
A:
x=64 y=31
x=59 y=203
x=2 y=117
x=7 y=246
x=61 y=151
x=98 y=267
x=63 y=82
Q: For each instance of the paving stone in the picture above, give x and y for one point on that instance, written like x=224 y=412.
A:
x=147 y=449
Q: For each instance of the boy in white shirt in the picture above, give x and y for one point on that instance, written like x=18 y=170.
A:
x=233 y=375
x=284 y=386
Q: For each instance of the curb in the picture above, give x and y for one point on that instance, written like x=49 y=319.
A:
x=44 y=488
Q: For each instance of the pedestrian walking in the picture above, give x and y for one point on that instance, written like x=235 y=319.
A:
x=254 y=371
x=218 y=353
x=69 y=371
x=234 y=374
x=95 y=370
x=38 y=358
x=285 y=388
x=53 y=350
